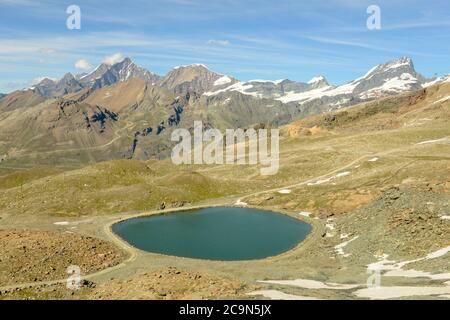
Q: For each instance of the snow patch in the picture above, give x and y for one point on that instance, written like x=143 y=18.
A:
x=276 y=82
x=394 y=85
x=442 y=100
x=61 y=223
x=222 y=80
x=343 y=174
x=241 y=87
x=339 y=249
x=305 y=213
x=432 y=141
x=319 y=182
x=240 y=203
x=438 y=253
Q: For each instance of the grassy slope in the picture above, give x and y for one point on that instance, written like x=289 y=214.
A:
x=392 y=204
x=309 y=148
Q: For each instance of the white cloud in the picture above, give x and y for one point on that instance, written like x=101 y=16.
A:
x=113 y=59
x=219 y=42
x=83 y=64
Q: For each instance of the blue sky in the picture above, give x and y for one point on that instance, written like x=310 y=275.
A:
x=248 y=39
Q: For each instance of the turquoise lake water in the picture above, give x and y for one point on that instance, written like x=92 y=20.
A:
x=222 y=233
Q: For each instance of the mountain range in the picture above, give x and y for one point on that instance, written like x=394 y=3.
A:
x=125 y=111
x=389 y=78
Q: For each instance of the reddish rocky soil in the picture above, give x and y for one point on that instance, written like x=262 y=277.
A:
x=32 y=256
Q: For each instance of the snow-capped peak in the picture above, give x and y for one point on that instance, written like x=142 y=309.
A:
x=395 y=64
x=316 y=79
x=404 y=64
x=193 y=65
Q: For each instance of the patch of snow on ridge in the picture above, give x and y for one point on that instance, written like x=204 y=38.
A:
x=327 y=91
x=442 y=100
x=343 y=174
x=241 y=87
x=240 y=203
x=319 y=182
x=394 y=85
x=398 y=64
x=435 y=81
x=438 y=253
x=222 y=80
x=284 y=191
x=369 y=72
x=266 y=81
x=432 y=141
x=305 y=213
x=292 y=96
x=339 y=249
x=330 y=226
x=383 y=264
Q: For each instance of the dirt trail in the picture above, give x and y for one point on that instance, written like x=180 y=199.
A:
x=133 y=252
x=347 y=166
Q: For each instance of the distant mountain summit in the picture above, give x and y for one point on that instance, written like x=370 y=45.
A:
x=390 y=78
x=318 y=82
x=65 y=85
x=104 y=75
x=121 y=110
x=123 y=71
x=195 y=77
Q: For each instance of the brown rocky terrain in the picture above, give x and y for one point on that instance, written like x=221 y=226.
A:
x=29 y=256
x=165 y=284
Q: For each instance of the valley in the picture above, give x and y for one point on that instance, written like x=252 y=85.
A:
x=372 y=179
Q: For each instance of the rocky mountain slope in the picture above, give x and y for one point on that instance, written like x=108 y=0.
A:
x=103 y=75
x=373 y=179
x=124 y=111
x=390 y=78
x=194 y=78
